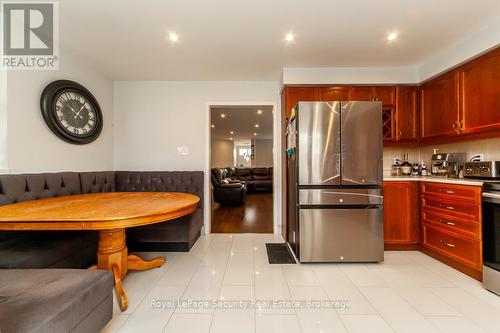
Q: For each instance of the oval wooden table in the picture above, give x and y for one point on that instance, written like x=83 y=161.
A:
x=110 y=214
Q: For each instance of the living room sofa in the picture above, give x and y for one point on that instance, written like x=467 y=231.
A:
x=230 y=185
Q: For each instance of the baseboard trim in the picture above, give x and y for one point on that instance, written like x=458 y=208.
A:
x=401 y=247
x=478 y=275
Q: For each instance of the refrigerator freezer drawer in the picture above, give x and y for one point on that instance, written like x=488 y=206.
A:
x=341 y=197
x=341 y=235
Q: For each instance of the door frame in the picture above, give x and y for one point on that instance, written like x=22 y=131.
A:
x=277 y=198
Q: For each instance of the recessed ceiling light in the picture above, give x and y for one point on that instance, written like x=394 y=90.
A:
x=232 y=132
x=173 y=37
x=255 y=134
x=222 y=115
x=289 y=37
x=257 y=125
x=392 y=36
x=230 y=138
x=259 y=111
x=212 y=126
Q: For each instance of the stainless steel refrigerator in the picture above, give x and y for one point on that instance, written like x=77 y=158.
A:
x=335 y=196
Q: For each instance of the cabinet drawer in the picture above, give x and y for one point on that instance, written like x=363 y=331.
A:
x=464 y=227
x=465 y=193
x=460 y=248
x=462 y=210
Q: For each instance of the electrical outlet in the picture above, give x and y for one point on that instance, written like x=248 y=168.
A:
x=182 y=150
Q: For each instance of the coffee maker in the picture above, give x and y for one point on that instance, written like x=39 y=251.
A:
x=447 y=164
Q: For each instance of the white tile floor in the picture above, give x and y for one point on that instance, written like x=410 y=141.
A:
x=409 y=292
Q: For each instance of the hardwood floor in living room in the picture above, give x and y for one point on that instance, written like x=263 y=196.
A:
x=255 y=216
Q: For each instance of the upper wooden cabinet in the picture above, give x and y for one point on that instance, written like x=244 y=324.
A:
x=462 y=103
x=386 y=94
x=407 y=118
x=439 y=111
x=334 y=93
x=360 y=94
x=293 y=95
x=480 y=94
x=406 y=113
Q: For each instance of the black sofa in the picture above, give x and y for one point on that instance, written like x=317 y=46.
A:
x=226 y=190
x=230 y=185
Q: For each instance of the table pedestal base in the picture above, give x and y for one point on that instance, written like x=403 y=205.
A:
x=113 y=255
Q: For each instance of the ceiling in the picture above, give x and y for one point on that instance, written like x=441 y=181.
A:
x=241 y=120
x=245 y=40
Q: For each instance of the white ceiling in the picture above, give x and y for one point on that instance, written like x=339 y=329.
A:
x=244 y=40
x=241 y=120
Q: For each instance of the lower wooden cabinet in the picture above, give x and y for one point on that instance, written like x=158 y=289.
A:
x=451 y=225
x=401 y=213
x=466 y=250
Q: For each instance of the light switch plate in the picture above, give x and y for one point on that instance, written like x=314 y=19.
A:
x=183 y=150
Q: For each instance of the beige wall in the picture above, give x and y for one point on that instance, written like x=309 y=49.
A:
x=221 y=153
x=263 y=153
x=489 y=147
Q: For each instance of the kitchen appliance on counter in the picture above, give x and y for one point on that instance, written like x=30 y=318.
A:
x=491 y=236
x=485 y=169
x=447 y=164
x=335 y=196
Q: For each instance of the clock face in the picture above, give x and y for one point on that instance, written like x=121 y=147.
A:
x=71 y=112
x=75 y=113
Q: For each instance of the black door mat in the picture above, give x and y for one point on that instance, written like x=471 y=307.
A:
x=279 y=253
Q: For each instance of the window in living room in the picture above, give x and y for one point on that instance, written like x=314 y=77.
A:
x=241 y=167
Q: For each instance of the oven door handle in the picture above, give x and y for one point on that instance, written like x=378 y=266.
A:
x=491 y=197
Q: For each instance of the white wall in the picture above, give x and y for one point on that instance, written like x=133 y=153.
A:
x=32 y=147
x=263 y=153
x=349 y=75
x=153 y=118
x=222 y=153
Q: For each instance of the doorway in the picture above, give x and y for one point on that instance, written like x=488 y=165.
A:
x=241 y=169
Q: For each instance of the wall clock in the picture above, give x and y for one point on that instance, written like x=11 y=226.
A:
x=71 y=112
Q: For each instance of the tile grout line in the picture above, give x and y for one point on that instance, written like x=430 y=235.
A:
x=222 y=282
x=185 y=288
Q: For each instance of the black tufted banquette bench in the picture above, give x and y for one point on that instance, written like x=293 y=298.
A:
x=77 y=249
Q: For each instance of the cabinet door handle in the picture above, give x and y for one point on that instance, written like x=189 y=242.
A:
x=461 y=126
x=455 y=127
x=400 y=133
x=447 y=222
x=448 y=192
x=447 y=207
x=447 y=244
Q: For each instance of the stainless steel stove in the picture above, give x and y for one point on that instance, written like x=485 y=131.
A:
x=489 y=173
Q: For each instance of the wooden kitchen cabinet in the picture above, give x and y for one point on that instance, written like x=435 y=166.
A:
x=293 y=95
x=386 y=94
x=439 y=107
x=333 y=93
x=451 y=217
x=359 y=93
x=407 y=114
x=401 y=214
x=480 y=94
